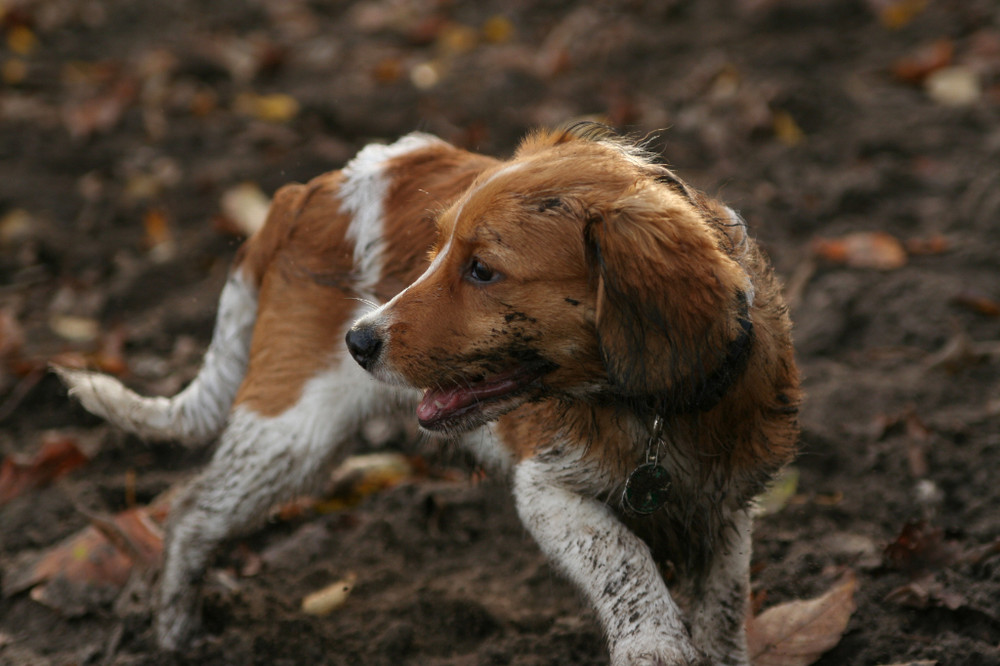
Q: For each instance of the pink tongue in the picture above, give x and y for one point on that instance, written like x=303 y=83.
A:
x=439 y=402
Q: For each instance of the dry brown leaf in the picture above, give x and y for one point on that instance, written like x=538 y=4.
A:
x=89 y=559
x=798 y=632
x=978 y=302
x=928 y=246
x=59 y=455
x=11 y=334
x=926 y=592
x=863 y=249
x=99 y=113
x=920 y=547
x=929 y=58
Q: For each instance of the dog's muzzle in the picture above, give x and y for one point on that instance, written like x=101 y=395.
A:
x=364 y=344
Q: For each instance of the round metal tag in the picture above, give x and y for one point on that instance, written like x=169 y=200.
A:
x=646 y=489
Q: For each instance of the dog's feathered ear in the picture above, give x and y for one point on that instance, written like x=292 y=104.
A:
x=671 y=305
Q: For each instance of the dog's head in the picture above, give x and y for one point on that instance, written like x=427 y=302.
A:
x=579 y=269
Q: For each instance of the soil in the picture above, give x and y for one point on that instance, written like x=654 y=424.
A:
x=124 y=122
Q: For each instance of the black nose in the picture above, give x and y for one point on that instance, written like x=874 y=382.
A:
x=363 y=344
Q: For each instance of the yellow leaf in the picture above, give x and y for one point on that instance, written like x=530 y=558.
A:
x=331 y=597
x=782 y=489
x=797 y=633
x=457 y=38
x=274 y=108
x=21 y=40
x=498 y=29
x=14 y=71
x=898 y=13
x=786 y=129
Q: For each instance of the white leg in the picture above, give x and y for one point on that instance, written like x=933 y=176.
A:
x=260 y=462
x=720 y=611
x=609 y=563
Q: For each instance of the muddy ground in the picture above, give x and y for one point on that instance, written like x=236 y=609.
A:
x=122 y=124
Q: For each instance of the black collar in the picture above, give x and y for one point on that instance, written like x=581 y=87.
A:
x=706 y=394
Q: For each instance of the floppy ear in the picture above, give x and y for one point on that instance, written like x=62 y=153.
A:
x=671 y=309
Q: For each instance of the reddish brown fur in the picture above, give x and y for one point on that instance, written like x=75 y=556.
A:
x=303 y=264
x=630 y=287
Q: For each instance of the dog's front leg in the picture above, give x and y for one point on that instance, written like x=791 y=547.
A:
x=609 y=563
x=720 y=611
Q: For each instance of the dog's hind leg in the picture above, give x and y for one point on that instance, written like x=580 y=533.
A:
x=261 y=461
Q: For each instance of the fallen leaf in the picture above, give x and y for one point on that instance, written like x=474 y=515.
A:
x=110 y=356
x=388 y=70
x=90 y=558
x=74 y=328
x=273 y=108
x=455 y=39
x=59 y=454
x=924 y=593
x=101 y=112
x=977 y=302
x=955 y=86
x=915 y=68
x=786 y=129
x=498 y=29
x=134 y=532
x=11 y=334
x=159 y=237
x=863 y=249
x=355 y=479
x=895 y=14
x=798 y=632
x=927 y=246
x=16 y=225
x=331 y=597
x=363 y=475
x=777 y=495
x=920 y=547
x=426 y=75
x=21 y=40
x=245 y=206
x=13 y=71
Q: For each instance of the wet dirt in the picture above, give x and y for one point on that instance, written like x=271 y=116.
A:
x=123 y=123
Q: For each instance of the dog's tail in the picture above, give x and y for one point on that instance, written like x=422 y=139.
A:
x=199 y=412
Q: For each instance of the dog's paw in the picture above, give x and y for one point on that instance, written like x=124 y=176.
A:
x=177 y=625
x=655 y=653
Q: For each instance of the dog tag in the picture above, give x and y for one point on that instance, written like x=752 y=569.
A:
x=646 y=489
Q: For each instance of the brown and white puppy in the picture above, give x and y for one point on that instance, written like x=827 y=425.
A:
x=589 y=323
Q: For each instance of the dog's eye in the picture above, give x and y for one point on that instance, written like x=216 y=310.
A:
x=481 y=273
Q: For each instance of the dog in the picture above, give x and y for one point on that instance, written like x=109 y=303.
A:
x=577 y=316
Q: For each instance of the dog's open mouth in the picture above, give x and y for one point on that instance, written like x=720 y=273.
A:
x=465 y=405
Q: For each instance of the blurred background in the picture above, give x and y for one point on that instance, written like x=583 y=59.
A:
x=141 y=141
